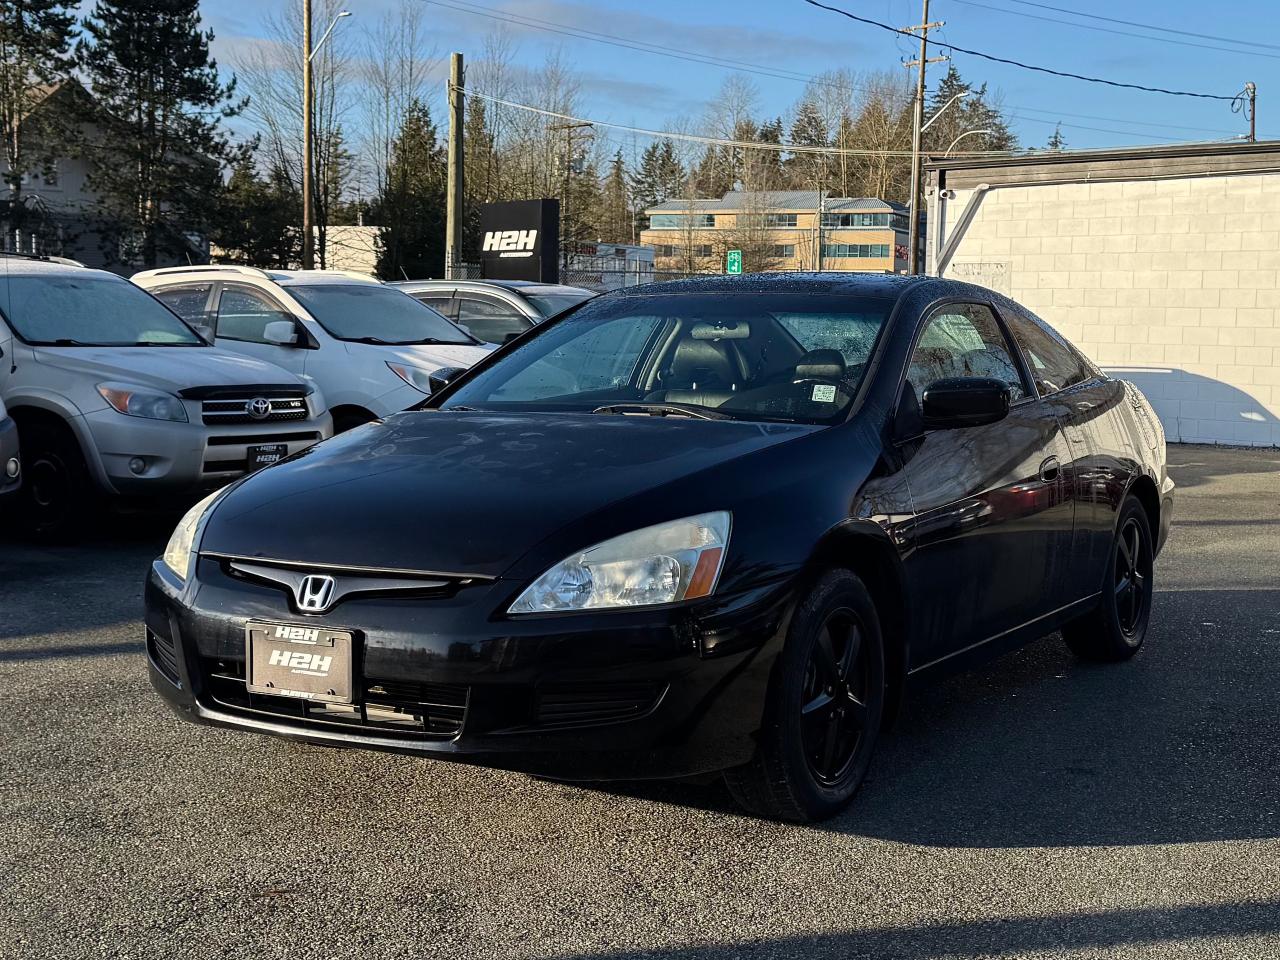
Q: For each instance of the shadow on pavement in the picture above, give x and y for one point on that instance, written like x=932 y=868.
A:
x=1019 y=936
x=1038 y=749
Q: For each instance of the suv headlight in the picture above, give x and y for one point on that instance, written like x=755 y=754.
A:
x=177 y=553
x=415 y=377
x=678 y=560
x=141 y=402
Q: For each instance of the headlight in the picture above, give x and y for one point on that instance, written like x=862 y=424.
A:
x=415 y=377
x=679 y=560
x=177 y=553
x=141 y=402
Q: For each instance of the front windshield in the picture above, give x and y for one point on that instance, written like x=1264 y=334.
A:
x=370 y=312
x=790 y=357
x=549 y=304
x=88 y=309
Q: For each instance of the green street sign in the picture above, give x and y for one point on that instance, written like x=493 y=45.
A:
x=733 y=263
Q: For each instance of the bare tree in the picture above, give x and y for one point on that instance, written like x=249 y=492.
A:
x=271 y=73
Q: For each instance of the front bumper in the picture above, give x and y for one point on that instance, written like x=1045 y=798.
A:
x=184 y=456
x=627 y=695
x=8 y=452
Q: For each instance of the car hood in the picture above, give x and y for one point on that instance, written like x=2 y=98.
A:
x=466 y=493
x=165 y=368
x=433 y=356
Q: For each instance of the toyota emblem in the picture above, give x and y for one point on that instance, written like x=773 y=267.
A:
x=259 y=408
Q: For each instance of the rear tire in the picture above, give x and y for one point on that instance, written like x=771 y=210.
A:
x=824 y=710
x=1116 y=628
x=349 y=418
x=58 y=495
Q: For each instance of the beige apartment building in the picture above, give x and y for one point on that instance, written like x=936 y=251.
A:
x=778 y=230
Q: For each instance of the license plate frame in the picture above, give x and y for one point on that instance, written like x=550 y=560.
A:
x=259 y=455
x=305 y=661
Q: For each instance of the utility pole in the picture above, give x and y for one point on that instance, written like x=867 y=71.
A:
x=570 y=142
x=308 y=240
x=917 y=129
x=1251 y=90
x=455 y=196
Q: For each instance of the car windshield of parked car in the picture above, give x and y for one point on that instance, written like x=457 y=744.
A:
x=86 y=309
x=792 y=357
x=549 y=304
x=372 y=313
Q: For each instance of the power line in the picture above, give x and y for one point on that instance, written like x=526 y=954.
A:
x=1149 y=26
x=1119 y=33
x=1025 y=66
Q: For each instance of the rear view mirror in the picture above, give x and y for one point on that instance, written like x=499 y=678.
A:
x=283 y=333
x=964 y=402
x=444 y=376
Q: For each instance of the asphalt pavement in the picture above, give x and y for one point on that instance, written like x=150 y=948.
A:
x=1038 y=807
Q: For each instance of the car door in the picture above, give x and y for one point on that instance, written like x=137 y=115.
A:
x=1098 y=468
x=490 y=319
x=242 y=315
x=993 y=523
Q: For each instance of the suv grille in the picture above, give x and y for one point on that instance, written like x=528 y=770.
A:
x=432 y=711
x=253 y=409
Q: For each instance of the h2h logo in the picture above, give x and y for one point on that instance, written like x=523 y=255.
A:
x=510 y=243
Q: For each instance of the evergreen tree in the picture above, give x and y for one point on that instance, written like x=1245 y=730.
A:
x=660 y=177
x=974 y=111
x=1057 y=141
x=762 y=169
x=481 y=165
x=257 y=223
x=411 y=210
x=615 y=214
x=808 y=171
x=35 y=40
x=714 y=174
x=161 y=148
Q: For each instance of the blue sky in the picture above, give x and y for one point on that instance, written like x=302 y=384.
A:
x=647 y=90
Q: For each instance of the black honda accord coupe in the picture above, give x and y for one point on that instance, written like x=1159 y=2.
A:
x=707 y=526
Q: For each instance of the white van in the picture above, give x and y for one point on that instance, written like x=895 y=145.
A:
x=370 y=348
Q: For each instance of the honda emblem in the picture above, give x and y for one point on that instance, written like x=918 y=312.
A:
x=315 y=593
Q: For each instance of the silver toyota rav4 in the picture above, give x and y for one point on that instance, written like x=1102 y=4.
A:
x=114 y=394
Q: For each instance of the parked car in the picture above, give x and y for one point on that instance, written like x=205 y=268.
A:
x=760 y=508
x=113 y=394
x=368 y=346
x=10 y=462
x=495 y=311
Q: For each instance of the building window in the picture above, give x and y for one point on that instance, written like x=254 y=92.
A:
x=779 y=219
x=784 y=251
x=702 y=249
x=680 y=221
x=859 y=251
x=857 y=219
x=664 y=250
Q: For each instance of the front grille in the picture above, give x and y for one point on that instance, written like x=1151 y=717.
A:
x=217 y=412
x=577 y=704
x=163 y=654
x=432 y=711
x=231 y=441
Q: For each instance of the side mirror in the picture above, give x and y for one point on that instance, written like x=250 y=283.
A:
x=964 y=402
x=441 y=378
x=283 y=333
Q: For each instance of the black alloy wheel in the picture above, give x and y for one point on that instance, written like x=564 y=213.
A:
x=833 y=713
x=1116 y=628
x=824 y=708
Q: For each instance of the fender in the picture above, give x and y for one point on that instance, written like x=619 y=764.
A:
x=60 y=406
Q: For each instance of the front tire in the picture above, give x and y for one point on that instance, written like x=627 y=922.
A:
x=58 y=494
x=1115 y=629
x=825 y=707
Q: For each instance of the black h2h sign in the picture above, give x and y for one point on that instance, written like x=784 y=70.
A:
x=520 y=240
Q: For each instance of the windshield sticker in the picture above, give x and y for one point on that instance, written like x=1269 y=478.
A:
x=824 y=393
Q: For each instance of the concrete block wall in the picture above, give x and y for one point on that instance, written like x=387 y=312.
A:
x=1173 y=284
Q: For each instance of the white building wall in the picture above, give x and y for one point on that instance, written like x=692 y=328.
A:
x=1172 y=284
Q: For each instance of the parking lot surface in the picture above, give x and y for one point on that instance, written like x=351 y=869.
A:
x=1038 y=807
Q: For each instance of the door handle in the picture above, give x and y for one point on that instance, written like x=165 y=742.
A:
x=1084 y=406
x=1050 y=470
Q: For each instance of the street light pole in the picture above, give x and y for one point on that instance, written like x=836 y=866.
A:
x=941 y=110
x=967 y=133
x=308 y=111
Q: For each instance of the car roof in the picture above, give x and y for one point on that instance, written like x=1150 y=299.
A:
x=28 y=267
x=889 y=285
x=283 y=278
x=520 y=287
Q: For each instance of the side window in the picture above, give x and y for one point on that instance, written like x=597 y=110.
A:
x=1054 y=364
x=438 y=304
x=191 y=302
x=244 y=314
x=490 y=320
x=963 y=340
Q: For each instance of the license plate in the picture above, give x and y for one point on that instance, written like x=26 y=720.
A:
x=298 y=660
x=264 y=454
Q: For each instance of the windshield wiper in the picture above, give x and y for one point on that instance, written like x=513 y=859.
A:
x=163 y=343
x=375 y=340
x=664 y=410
